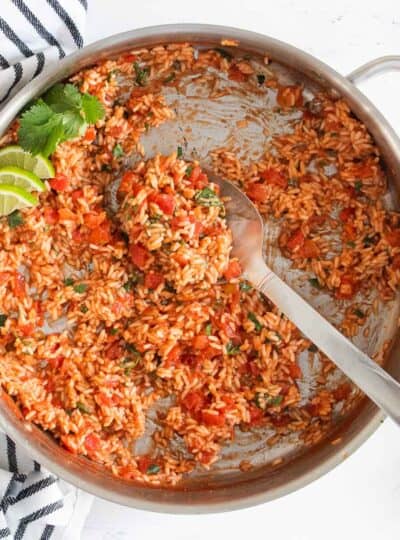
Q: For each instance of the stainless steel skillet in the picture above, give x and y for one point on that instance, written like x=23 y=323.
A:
x=225 y=488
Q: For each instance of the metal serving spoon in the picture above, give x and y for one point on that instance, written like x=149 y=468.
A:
x=247 y=228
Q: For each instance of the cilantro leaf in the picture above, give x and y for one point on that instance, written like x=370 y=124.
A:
x=63 y=97
x=40 y=129
x=63 y=113
x=93 y=110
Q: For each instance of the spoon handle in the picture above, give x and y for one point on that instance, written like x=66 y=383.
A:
x=369 y=376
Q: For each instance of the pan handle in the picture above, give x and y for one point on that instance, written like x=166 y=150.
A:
x=383 y=64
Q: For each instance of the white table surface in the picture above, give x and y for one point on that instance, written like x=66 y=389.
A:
x=360 y=499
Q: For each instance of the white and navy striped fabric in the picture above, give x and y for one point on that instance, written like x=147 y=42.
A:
x=35 y=504
x=35 y=34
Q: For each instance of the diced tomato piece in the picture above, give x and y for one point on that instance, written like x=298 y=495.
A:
x=77 y=236
x=349 y=232
x=296 y=240
x=101 y=235
x=309 y=250
x=290 y=96
x=27 y=329
x=115 y=131
x=153 y=279
x=256 y=415
x=19 y=286
x=143 y=463
x=274 y=178
x=173 y=356
x=342 y=392
x=197 y=178
x=114 y=351
x=4 y=277
x=257 y=192
x=347 y=288
x=346 y=214
x=50 y=215
x=294 y=370
x=129 y=57
x=393 y=237
x=234 y=270
x=194 y=401
x=77 y=194
x=65 y=214
x=127 y=182
x=235 y=74
x=90 y=134
x=93 y=219
x=395 y=262
x=139 y=255
x=92 y=442
x=56 y=362
x=200 y=342
x=209 y=353
x=211 y=418
x=59 y=182
x=166 y=203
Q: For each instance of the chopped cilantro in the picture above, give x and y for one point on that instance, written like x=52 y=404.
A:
x=118 y=151
x=3 y=319
x=179 y=152
x=358 y=185
x=153 y=469
x=224 y=53
x=15 y=219
x=141 y=74
x=188 y=171
x=260 y=78
x=351 y=244
x=80 y=288
x=170 y=78
x=82 y=407
x=257 y=325
x=113 y=331
x=62 y=113
x=232 y=349
x=244 y=286
x=68 y=281
x=263 y=400
x=208 y=329
x=315 y=283
x=84 y=309
x=359 y=313
x=207 y=197
x=132 y=349
x=293 y=182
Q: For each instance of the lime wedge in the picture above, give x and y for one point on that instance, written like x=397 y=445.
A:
x=18 y=157
x=13 y=198
x=19 y=177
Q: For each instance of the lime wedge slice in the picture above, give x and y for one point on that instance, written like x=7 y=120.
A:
x=19 y=177
x=18 y=157
x=13 y=198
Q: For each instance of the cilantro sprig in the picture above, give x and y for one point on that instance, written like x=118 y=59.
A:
x=62 y=113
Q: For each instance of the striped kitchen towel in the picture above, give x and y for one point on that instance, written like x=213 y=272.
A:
x=35 y=34
x=35 y=504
